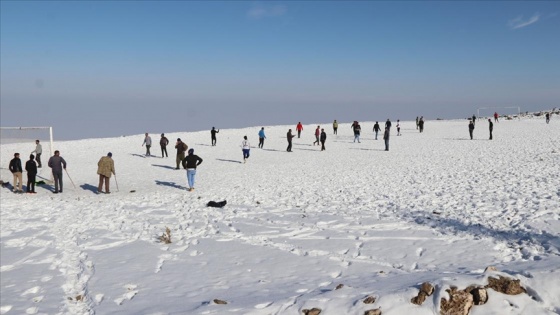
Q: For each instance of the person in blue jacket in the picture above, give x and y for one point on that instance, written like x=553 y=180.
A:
x=262 y=136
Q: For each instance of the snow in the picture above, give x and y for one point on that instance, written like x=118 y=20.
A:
x=437 y=207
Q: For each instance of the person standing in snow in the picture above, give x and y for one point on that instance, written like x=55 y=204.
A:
x=323 y=139
x=398 y=127
x=163 y=142
x=317 y=135
x=376 y=129
x=17 y=171
x=213 y=133
x=289 y=136
x=262 y=136
x=57 y=164
x=357 y=130
x=181 y=149
x=495 y=117
x=31 y=168
x=417 y=120
x=547 y=116
x=386 y=135
x=490 y=127
x=190 y=163
x=38 y=150
x=471 y=128
x=299 y=128
x=105 y=167
x=421 y=124
x=245 y=147
x=388 y=124
x=335 y=126
x=474 y=119
x=148 y=143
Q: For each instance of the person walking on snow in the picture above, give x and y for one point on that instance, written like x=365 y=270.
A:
x=105 y=167
x=190 y=163
x=245 y=147
x=386 y=136
x=181 y=149
x=262 y=136
x=148 y=143
x=421 y=124
x=376 y=129
x=299 y=128
x=289 y=136
x=490 y=127
x=57 y=164
x=398 y=127
x=471 y=128
x=323 y=139
x=31 y=168
x=17 y=171
x=38 y=150
x=317 y=135
x=357 y=130
x=335 y=126
x=213 y=133
x=163 y=142
x=496 y=117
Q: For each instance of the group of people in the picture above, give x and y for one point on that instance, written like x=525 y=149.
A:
x=490 y=125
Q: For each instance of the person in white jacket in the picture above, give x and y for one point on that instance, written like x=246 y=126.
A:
x=148 y=143
x=246 y=147
x=38 y=151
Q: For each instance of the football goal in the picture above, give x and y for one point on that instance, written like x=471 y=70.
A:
x=502 y=111
x=22 y=140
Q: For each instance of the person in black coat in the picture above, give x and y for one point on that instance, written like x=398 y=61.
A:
x=491 y=127
x=376 y=129
x=289 y=136
x=213 y=133
x=471 y=128
x=190 y=162
x=323 y=139
x=386 y=136
x=31 y=168
x=15 y=168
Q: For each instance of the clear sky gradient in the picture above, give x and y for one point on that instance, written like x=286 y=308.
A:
x=108 y=68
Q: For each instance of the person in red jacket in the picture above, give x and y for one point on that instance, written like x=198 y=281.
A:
x=317 y=135
x=299 y=128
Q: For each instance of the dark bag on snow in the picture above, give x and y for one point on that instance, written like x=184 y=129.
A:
x=218 y=204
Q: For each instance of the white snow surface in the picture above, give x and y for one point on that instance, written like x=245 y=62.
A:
x=437 y=207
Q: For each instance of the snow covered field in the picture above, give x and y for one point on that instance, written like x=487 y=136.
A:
x=437 y=207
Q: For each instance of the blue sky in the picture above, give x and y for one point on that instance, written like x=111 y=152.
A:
x=109 y=68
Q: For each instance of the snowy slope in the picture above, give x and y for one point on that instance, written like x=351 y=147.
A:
x=437 y=207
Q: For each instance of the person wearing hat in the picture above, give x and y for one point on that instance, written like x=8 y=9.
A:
x=163 y=142
x=105 y=167
x=181 y=149
x=16 y=169
x=213 y=133
x=190 y=163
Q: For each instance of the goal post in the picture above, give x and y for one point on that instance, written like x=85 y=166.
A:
x=497 y=109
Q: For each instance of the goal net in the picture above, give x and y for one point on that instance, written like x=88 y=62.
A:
x=22 y=140
x=503 y=112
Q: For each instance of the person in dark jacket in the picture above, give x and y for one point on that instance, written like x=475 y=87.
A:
x=213 y=133
x=57 y=164
x=15 y=168
x=181 y=149
x=376 y=129
x=357 y=130
x=31 y=168
x=388 y=124
x=289 y=136
x=547 y=117
x=323 y=139
x=471 y=128
x=386 y=138
x=490 y=127
x=190 y=163
x=163 y=142
x=421 y=124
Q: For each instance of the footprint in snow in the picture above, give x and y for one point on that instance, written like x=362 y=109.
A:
x=263 y=305
x=32 y=310
x=31 y=291
x=128 y=295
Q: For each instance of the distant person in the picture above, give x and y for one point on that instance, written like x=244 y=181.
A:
x=38 y=150
x=262 y=136
x=299 y=128
x=31 y=168
x=148 y=143
x=547 y=116
x=335 y=126
x=317 y=135
x=376 y=129
x=190 y=163
x=246 y=148
x=181 y=149
x=386 y=136
x=388 y=124
x=417 y=121
x=323 y=139
x=421 y=124
x=357 y=130
x=496 y=117
x=213 y=133
x=163 y=142
x=105 y=167
x=57 y=164
x=17 y=171
x=490 y=127
x=474 y=119
x=471 y=128
x=289 y=136
x=398 y=127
